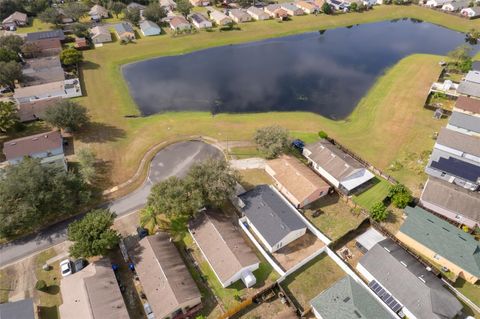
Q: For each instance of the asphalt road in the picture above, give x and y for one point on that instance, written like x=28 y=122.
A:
x=174 y=160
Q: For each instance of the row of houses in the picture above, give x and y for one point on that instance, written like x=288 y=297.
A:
x=462 y=6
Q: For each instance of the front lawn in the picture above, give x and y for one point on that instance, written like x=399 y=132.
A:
x=35 y=26
x=310 y=280
x=253 y=177
x=374 y=194
x=469 y=290
x=51 y=298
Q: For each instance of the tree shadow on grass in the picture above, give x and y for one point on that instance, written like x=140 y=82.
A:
x=48 y=312
x=86 y=65
x=96 y=132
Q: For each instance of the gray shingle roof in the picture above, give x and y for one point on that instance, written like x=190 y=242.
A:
x=469 y=122
x=469 y=88
x=22 y=309
x=147 y=24
x=54 y=34
x=123 y=27
x=346 y=299
x=426 y=298
x=270 y=213
x=458 y=141
x=443 y=238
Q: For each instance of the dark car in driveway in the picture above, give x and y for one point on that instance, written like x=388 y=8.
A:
x=79 y=264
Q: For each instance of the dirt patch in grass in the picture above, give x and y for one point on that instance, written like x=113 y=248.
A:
x=269 y=309
x=394 y=220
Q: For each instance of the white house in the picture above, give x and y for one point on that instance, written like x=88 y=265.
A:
x=257 y=13
x=220 y=18
x=292 y=9
x=179 y=23
x=436 y=3
x=200 y=21
x=239 y=15
x=337 y=167
x=100 y=34
x=224 y=248
x=455 y=5
x=470 y=12
x=307 y=6
x=271 y=217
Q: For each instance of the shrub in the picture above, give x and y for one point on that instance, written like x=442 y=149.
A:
x=41 y=285
x=322 y=134
x=400 y=195
x=379 y=212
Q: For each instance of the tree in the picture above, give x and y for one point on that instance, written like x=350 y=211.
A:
x=87 y=160
x=93 y=235
x=8 y=116
x=117 y=7
x=7 y=7
x=80 y=30
x=71 y=56
x=379 y=212
x=33 y=195
x=322 y=134
x=7 y=55
x=133 y=15
x=50 y=15
x=152 y=221
x=40 y=285
x=174 y=198
x=11 y=42
x=271 y=140
x=460 y=54
x=184 y=7
x=38 y=6
x=353 y=7
x=67 y=114
x=9 y=73
x=75 y=10
x=214 y=179
x=400 y=195
x=154 y=12
x=326 y=8
x=244 y=3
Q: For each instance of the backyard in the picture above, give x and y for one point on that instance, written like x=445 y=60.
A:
x=374 y=194
x=310 y=280
x=253 y=177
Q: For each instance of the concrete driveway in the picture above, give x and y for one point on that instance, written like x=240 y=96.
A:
x=174 y=160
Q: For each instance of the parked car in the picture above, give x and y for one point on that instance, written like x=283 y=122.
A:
x=148 y=311
x=79 y=264
x=66 y=267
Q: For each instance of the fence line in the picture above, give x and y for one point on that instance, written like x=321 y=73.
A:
x=461 y=296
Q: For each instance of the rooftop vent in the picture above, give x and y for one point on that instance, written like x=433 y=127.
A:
x=346 y=299
x=357 y=314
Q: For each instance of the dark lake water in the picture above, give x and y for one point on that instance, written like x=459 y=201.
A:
x=324 y=73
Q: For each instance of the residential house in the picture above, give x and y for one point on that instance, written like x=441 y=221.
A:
x=81 y=44
x=34 y=110
x=149 y=28
x=272 y=218
x=97 y=12
x=224 y=248
x=454 y=169
x=455 y=5
x=258 y=13
x=307 y=6
x=336 y=166
x=368 y=239
x=43 y=70
x=21 y=309
x=348 y=299
x=458 y=144
x=467 y=105
x=170 y=5
x=220 y=18
x=292 y=9
x=405 y=285
x=299 y=184
x=48 y=147
x=200 y=3
x=453 y=202
x=179 y=23
x=464 y=123
x=270 y=9
x=470 y=12
x=43 y=48
x=319 y=3
x=239 y=15
x=165 y=279
x=436 y=3
x=63 y=17
x=338 y=5
x=124 y=31
x=64 y=89
x=200 y=21
x=16 y=19
x=92 y=293
x=43 y=35
x=100 y=34
x=136 y=6
x=447 y=245
x=470 y=86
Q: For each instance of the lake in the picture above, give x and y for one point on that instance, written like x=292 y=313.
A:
x=322 y=72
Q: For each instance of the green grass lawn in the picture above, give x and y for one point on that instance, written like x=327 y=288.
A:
x=35 y=26
x=253 y=177
x=470 y=291
x=337 y=218
x=374 y=194
x=310 y=280
x=5 y=286
x=242 y=152
x=50 y=299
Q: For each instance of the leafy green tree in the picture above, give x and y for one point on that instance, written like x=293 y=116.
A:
x=184 y=7
x=327 y=8
x=37 y=6
x=353 y=7
x=133 y=15
x=151 y=220
x=214 y=179
x=154 y=12
x=93 y=235
x=7 y=55
x=272 y=140
x=460 y=54
x=322 y=134
x=9 y=73
x=70 y=56
x=67 y=114
x=50 y=15
x=80 y=30
x=400 y=195
x=41 y=285
x=7 y=7
x=117 y=7
x=33 y=195
x=379 y=212
x=174 y=198
x=11 y=42
x=8 y=116
x=75 y=10
x=87 y=160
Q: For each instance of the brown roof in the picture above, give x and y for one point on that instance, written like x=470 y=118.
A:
x=48 y=44
x=81 y=42
x=280 y=12
x=458 y=141
x=222 y=244
x=26 y=146
x=34 y=110
x=453 y=198
x=16 y=16
x=333 y=160
x=306 y=5
x=298 y=179
x=468 y=104
x=177 y=21
x=163 y=275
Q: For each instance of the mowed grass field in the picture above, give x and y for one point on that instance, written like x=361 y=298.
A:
x=389 y=123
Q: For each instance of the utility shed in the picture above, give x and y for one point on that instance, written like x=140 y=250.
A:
x=368 y=239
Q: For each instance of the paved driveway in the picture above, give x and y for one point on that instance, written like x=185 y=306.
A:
x=174 y=160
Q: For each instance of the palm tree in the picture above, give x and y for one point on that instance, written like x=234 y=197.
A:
x=151 y=220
